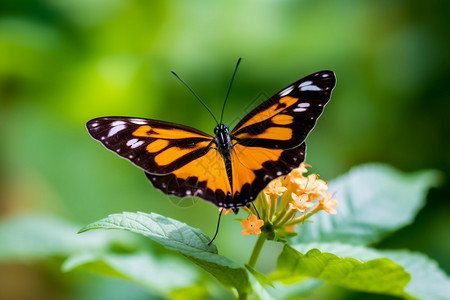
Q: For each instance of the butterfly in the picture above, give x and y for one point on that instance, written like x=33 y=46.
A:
x=230 y=168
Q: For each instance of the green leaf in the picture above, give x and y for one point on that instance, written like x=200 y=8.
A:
x=32 y=237
x=197 y=291
x=29 y=237
x=224 y=270
x=262 y=279
x=374 y=200
x=176 y=235
x=428 y=281
x=161 y=274
x=170 y=233
x=259 y=283
x=377 y=275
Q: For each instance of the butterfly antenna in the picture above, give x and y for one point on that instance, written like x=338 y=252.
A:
x=217 y=229
x=196 y=96
x=229 y=88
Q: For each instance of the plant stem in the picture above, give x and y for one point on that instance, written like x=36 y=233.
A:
x=257 y=250
x=303 y=218
x=282 y=220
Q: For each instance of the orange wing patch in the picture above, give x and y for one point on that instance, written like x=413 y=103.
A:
x=246 y=160
x=172 y=154
x=143 y=131
x=271 y=133
x=270 y=111
x=282 y=119
x=169 y=134
x=157 y=145
x=209 y=168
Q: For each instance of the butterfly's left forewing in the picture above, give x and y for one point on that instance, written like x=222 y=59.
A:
x=157 y=147
x=177 y=159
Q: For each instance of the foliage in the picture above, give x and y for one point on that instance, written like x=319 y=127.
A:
x=346 y=263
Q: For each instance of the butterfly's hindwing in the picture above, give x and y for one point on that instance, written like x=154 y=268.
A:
x=254 y=167
x=205 y=177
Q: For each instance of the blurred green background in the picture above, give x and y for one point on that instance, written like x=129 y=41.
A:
x=64 y=62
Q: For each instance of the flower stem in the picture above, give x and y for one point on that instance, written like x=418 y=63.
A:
x=282 y=220
x=257 y=250
x=303 y=217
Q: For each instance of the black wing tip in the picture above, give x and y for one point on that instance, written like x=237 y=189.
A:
x=95 y=123
x=89 y=124
x=325 y=72
x=99 y=121
x=326 y=75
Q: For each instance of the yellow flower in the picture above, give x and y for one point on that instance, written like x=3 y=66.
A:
x=292 y=179
x=302 y=168
x=282 y=200
x=252 y=225
x=312 y=186
x=328 y=204
x=275 y=189
x=300 y=203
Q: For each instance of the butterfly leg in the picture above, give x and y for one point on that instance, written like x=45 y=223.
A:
x=217 y=228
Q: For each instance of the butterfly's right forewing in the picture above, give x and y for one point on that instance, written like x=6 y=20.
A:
x=284 y=120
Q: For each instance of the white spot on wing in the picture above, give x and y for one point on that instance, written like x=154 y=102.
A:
x=131 y=142
x=325 y=75
x=305 y=83
x=279 y=173
x=94 y=124
x=117 y=123
x=300 y=109
x=310 y=88
x=116 y=129
x=286 y=91
x=304 y=105
x=135 y=145
x=138 y=121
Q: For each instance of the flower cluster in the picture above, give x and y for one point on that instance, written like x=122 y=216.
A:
x=287 y=202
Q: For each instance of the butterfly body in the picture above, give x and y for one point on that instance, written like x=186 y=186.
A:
x=231 y=168
x=223 y=139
